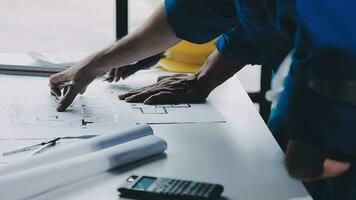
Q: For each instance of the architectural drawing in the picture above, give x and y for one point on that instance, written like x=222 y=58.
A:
x=158 y=109
x=28 y=109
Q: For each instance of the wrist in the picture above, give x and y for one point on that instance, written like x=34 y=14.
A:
x=205 y=83
x=97 y=64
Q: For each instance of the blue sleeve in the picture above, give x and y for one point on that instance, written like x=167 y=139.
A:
x=263 y=34
x=200 y=21
x=235 y=45
x=330 y=24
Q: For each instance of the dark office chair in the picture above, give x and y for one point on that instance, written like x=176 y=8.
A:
x=259 y=97
x=266 y=73
x=122 y=18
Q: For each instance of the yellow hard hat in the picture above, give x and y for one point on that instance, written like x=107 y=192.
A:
x=186 y=57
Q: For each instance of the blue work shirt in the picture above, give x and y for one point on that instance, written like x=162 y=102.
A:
x=330 y=24
x=263 y=32
x=249 y=32
x=325 y=50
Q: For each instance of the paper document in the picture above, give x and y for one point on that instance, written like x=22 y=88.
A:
x=27 y=110
x=176 y=113
x=169 y=113
x=28 y=183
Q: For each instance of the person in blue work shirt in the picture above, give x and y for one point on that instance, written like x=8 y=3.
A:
x=249 y=32
x=318 y=108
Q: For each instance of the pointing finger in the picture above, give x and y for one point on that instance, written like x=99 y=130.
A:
x=83 y=90
x=118 y=74
x=67 y=99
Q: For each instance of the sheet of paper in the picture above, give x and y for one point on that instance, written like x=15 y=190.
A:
x=27 y=110
x=169 y=113
x=28 y=183
x=176 y=113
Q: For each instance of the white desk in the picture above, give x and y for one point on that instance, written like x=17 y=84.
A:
x=240 y=154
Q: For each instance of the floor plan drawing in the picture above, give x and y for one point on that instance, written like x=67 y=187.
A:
x=176 y=113
x=158 y=109
x=28 y=109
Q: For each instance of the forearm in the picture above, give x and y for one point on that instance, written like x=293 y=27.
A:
x=153 y=37
x=216 y=70
x=180 y=88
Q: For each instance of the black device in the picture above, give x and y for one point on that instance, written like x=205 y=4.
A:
x=154 y=188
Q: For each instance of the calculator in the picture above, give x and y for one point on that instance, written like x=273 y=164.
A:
x=154 y=188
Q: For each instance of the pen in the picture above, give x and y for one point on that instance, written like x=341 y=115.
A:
x=62 y=85
x=66 y=83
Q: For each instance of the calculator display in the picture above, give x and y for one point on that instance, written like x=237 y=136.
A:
x=144 y=183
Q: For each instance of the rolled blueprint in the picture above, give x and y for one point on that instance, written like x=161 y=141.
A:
x=29 y=183
x=77 y=149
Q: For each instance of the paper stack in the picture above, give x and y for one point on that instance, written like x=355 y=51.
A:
x=44 y=172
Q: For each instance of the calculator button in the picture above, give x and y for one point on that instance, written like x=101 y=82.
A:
x=204 y=187
x=168 y=188
x=181 y=188
x=186 y=191
x=190 y=188
x=211 y=188
x=193 y=193
x=201 y=193
x=165 y=180
x=174 y=186
x=159 y=189
x=197 y=186
x=201 y=186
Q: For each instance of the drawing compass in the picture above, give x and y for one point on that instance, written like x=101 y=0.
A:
x=41 y=147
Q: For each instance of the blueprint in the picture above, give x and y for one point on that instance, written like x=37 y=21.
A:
x=27 y=110
x=31 y=112
x=175 y=113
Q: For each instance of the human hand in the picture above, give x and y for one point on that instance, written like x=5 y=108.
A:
x=309 y=163
x=114 y=75
x=80 y=75
x=333 y=168
x=123 y=72
x=178 y=88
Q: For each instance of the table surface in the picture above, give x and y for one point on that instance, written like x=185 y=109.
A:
x=241 y=154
